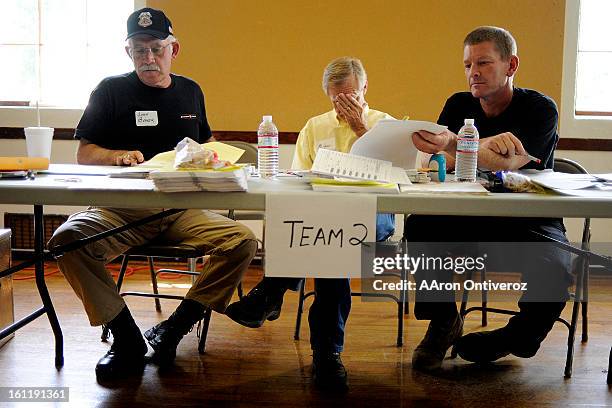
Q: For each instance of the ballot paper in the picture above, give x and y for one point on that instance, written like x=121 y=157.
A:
x=350 y=166
x=232 y=178
x=391 y=140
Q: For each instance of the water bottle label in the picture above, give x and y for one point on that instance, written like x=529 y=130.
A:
x=267 y=141
x=467 y=145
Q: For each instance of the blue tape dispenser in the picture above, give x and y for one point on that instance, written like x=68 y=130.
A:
x=438 y=162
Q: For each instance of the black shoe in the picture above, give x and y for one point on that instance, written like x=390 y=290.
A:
x=487 y=346
x=328 y=372
x=164 y=339
x=126 y=356
x=430 y=352
x=120 y=364
x=260 y=304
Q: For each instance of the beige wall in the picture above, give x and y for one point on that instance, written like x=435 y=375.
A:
x=258 y=57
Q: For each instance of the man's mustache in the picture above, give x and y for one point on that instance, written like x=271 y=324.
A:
x=148 y=67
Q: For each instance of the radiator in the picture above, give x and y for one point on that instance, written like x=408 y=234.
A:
x=22 y=226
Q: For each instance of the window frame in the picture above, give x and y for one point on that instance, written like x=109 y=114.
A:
x=57 y=117
x=572 y=125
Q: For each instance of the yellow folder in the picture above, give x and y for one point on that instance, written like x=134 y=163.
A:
x=24 y=163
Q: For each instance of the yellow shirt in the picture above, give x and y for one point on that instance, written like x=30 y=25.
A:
x=327 y=132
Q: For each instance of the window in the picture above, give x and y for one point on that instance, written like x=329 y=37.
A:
x=54 y=52
x=594 y=60
x=585 y=97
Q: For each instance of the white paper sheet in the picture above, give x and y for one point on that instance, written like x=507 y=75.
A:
x=391 y=140
x=338 y=164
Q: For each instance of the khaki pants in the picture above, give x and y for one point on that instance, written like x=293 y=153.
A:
x=231 y=247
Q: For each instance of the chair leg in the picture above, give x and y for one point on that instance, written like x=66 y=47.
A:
x=124 y=263
x=400 y=324
x=610 y=368
x=485 y=298
x=404 y=244
x=465 y=295
x=585 y=322
x=586 y=239
x=300 y=310
x=192 y=264
x=464 y=299
x=570 y=340
x=574 y=322
x=204 y=332
x=401 y=309
x=154 y=283
x=585 y=306
x=240 y=290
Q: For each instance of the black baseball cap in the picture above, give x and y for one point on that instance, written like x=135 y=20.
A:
x=149 y=21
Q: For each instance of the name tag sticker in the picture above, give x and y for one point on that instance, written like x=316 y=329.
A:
x=329 y=144
x=146 y=118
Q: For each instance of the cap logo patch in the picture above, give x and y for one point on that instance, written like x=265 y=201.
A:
x=144 y=19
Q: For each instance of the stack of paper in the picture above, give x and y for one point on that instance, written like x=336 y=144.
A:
x=136 y=172
x=232 y=178
x=353 y=186
x=445 y=188
x=339 y=164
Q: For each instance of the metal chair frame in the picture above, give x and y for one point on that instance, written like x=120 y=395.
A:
x=581 y=269
x=161 y=251
x=401 y=300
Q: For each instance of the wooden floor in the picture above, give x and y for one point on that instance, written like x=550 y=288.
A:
x=266 y=367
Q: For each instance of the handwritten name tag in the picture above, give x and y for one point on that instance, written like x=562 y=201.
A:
x=146 y=118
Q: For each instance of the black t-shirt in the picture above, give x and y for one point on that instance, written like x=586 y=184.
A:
x=531 y=117
x=125 y=114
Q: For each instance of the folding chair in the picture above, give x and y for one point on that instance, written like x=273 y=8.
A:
x=580 y=295
x=401 y=301
x=157 y=250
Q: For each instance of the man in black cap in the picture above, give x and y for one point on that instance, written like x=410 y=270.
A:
x=129 y=119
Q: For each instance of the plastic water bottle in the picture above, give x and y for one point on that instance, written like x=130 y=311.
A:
x=267 y=148
x=466 y=159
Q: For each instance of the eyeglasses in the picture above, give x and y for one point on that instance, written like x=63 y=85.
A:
x=139 y=52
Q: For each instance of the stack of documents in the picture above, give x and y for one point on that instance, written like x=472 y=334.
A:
x=581 y=185
x=231 y=178
x=353 y=186
x=136 y=172
x=350 y=166
x=352 y=173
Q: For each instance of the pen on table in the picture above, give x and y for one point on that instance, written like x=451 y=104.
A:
x=533 y=158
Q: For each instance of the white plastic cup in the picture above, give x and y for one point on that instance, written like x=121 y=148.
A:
x=38 y=141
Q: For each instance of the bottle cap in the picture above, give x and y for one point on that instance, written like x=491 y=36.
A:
x=267 y=118
x=469 y=121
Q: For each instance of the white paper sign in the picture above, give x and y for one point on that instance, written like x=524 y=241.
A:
x=318 y=235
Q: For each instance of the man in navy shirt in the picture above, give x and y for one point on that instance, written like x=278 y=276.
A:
x=512 y=123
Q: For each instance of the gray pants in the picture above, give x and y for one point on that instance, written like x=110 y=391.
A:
x=231 y=247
